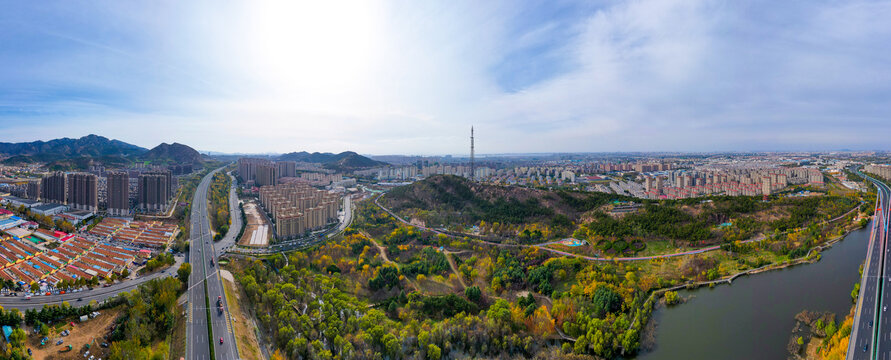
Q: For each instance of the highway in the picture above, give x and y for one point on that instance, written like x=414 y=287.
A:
x=201 y=250
x=867 y=319
x=883 y=330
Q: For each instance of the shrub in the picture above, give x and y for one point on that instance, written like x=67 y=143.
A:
x=671 y=298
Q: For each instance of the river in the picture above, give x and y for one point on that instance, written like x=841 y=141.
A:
x=754 y=317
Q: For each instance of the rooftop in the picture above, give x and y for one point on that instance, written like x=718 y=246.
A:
x=49 y=206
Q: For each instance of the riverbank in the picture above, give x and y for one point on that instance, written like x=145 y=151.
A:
x=718 y=322
x=811 y=257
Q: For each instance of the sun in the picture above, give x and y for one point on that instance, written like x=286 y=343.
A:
x=326 y=47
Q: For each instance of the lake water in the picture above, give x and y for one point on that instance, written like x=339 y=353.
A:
x=754 y=317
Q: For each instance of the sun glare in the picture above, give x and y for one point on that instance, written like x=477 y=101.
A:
x=328 y=47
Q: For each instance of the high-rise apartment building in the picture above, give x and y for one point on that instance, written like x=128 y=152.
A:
x=83 y=191
x=298 y=207
x=54 y=189
x=247 y=168
x=266 y=174
x=286 y=168
x=881 y=170
x=32 y=190
x=153 y=192
x=118 y=193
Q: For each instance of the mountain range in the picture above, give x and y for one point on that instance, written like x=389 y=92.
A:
x=69 y=154
x=344 y=161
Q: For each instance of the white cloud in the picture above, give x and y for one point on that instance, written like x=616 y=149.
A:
x=411 y=77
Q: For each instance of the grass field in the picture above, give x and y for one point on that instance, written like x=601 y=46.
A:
x=177 y=339
x=248 y=346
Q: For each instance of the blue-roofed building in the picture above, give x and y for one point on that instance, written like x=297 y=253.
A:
x=7 y=330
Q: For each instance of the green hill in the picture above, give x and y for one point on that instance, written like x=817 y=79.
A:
x=457 y=199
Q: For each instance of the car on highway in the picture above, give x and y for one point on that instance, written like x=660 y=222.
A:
x=80 y=299
x=221 y=340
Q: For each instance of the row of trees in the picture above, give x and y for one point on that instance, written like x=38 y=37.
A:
x=218 y=195
x=45 y=221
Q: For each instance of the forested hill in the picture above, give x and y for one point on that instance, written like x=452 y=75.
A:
x=79 y=154
x=173 y=153
x=344 y=161
x=460 y=199
x=87 y=146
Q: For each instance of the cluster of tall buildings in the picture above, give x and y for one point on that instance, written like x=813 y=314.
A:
x=881 y=170
x=320 y=179
x=535 y=175
x=155 y=189
x=734 y=182
x=262 y=172
x=635 y=166
x=81 y=191
x=296 y=208
x=412 y=172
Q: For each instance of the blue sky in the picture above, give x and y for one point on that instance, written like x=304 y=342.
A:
x=411 y=77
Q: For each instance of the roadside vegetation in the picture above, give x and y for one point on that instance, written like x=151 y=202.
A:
x=218 y=196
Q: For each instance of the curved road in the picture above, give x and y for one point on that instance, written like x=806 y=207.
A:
x=869 y=309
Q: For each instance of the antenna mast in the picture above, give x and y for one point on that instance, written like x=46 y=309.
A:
x=472 y=165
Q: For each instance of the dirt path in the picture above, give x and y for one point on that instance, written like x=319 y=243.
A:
x=550 y=306
x=451 y=260
x=383 y=252
x=380 y=248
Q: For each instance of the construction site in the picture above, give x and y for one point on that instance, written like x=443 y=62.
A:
x=257 y=228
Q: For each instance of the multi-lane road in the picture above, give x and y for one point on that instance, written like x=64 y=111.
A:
x=883 y=330
x=870 y=333
x=205 y=284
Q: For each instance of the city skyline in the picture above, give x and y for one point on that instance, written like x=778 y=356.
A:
x=408 y=78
